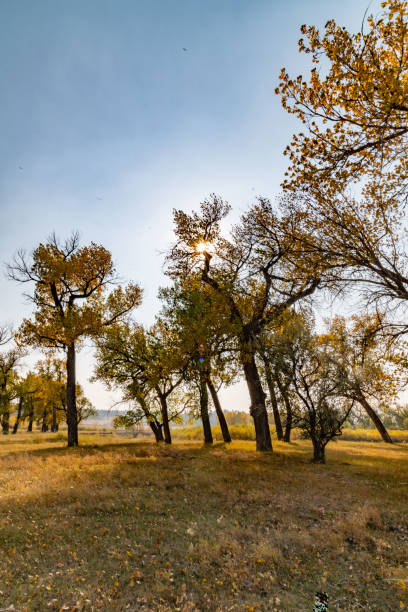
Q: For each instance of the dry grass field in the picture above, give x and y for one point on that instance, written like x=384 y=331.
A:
x=129 y=525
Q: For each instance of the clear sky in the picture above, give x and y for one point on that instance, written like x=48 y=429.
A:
x=107 y=124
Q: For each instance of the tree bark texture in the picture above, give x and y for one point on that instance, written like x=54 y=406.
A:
x=258 y=406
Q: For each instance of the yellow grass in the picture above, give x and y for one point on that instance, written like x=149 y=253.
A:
x=136 y=526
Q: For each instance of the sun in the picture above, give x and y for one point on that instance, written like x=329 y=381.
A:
x=201 y=247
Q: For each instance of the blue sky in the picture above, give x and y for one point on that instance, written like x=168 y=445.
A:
x=106 y=124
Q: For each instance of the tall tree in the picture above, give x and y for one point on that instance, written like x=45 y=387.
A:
x=355 y=113
x=204 y=337
x=71 y=302
x=250 y=272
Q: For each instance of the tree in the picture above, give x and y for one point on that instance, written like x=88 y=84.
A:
x=71 y=302
x=364 y=365
x=204 y=339
x=146 y=367
x=251 y=272
x=356 y=111
x=322 y=409
x=9 y=361
x=355 y=115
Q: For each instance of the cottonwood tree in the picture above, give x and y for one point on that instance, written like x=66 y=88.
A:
x=251 y=271
x=72 y=302
x=355 y=115
x=203 y=333
x=354 y=111
x=145 y=365
x=322 y=409
x=364 y=363
x=276 y=346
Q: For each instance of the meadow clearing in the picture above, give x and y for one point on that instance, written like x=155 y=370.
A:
x=121 y=524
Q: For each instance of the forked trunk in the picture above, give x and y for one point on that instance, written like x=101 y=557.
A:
x=72 y=417
x=208 y=439
x=157 y=430
x=221 y=418
x=258 y=406
x=165 y=418
x=375 y=419
x=18 y=417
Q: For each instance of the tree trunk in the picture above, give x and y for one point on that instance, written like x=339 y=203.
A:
x=274 y=401
x=258 y=407
x=18 y=417
x=54 y=425
x=375 y=419
x=221 y=418
x=208 y=439
x=283 y=389
x=5 y=422
x=157 y=430
x=31 y=416
x=319 y=455
x=44 y=426
x=72 y=417
x=165 y=418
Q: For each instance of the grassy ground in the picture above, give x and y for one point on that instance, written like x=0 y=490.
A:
x=128 y=525
x=247 y=432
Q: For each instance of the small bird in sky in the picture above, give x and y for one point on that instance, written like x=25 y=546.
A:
x=98 y=198
x=184 y=49
x=20 y=167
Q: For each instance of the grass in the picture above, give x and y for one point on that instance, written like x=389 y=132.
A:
x=117 y=525
x=247 y=432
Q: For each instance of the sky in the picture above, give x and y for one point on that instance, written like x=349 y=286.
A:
x=115 y=112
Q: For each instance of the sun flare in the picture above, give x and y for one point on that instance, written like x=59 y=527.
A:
x=201 y=247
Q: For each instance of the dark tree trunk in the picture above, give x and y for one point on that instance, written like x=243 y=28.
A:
x=208 y=438
x=221 y=418
x=274 y=401
x=54 y=424
x=319 y=455
x=165 y=418
x=31 y=416
x=5 y=422
x=283 y=389
x=375 y=419
x=157 y=430
x=18 y=417
x=258 y=406
x=44 y=426
x=72 y=417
